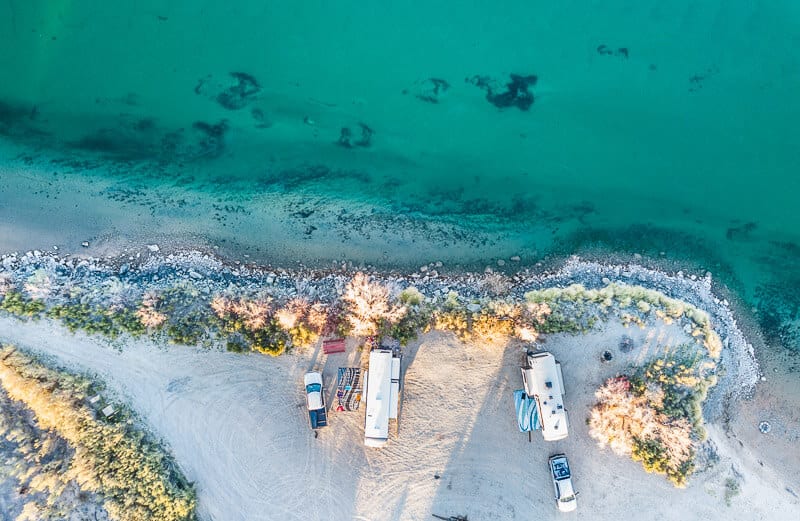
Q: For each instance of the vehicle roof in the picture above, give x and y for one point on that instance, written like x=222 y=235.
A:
x=543 y=370
x=315 y=401
x=565 y=488
x=376 y=422
x=312 y=378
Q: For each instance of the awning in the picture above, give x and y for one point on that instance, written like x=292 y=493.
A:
x=527 y=412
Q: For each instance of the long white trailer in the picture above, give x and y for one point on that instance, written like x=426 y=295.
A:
x=545 y=384
x=383 y=396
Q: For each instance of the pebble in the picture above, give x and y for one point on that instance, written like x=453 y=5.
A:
x=439 y=264
x=501 y=262
x=515 y=258
x=153 y=247
x=606 y=281
x=124 y=269
x=195 y=275
x=55 y=248
x=85 y=244
x=423 y=269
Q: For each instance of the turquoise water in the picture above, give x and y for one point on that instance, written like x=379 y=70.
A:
x=650 y=127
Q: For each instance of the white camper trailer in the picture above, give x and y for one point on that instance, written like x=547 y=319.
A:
x=544 y=383
x=383 y=396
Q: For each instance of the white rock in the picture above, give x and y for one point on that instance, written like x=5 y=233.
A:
x=55 y=248
x=514 y=258
x=153 y=247
x=195 y=275
x=270 y=279
x=423 y=269
x=85 y=244
x=606 y=280
x=637 y=256
x=501 y=262
x=37 y=253
x=439 y=264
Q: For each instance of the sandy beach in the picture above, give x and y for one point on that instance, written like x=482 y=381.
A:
x=236 y=425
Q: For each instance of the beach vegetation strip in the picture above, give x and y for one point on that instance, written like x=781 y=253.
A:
x=264 y=313
x=84 y=450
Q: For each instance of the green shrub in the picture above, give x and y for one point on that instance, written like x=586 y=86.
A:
x=408 y=327
x=411 y=296
x=95 y=319
x=271 y=339
x=188 y=329
x=17 y=304
x=302 y=335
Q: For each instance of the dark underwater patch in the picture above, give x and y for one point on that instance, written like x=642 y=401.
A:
x=429 y=90
x=292 y=178
x=239 y=95
x=741 y=232
x=20 y=120
x=517 y=91
x=211 y=137
x=360 y=138
x=619 y=52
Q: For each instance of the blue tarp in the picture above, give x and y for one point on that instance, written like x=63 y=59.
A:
x=527 y=412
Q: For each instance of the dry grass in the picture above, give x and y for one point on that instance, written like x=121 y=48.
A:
x=148 y=312
x=108 y=458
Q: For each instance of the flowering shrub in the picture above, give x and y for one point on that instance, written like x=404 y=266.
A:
x=368 y=306
x=148 y=312
x=655 y=416
x=630 y=424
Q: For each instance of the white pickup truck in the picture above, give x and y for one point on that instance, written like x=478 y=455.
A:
x=566 y=497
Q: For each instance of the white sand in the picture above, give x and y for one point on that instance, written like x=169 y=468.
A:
x=237 y=427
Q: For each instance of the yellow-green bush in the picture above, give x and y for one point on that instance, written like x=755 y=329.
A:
x=454 y=321
x=16 y=303
x=488 y=327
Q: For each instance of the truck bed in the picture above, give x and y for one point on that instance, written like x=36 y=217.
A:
x=318 y=418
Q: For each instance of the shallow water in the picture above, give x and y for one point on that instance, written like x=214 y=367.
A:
x=650 y=127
